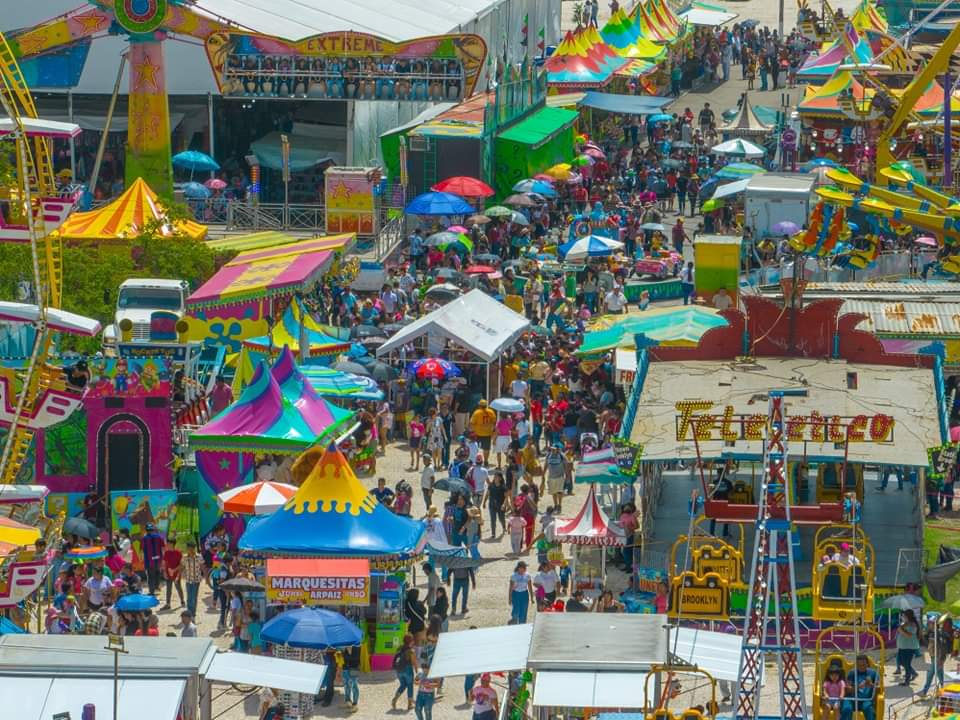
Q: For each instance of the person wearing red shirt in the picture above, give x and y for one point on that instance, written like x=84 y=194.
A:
x=172 y=559
x=536 y=417
x=580 y=197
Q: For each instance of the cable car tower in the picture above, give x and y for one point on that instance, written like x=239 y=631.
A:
x=770 y=623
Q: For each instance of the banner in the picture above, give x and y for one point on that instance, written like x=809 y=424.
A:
x=318 y=582
x=942 y=458
x=628 y=455
x=135 y=509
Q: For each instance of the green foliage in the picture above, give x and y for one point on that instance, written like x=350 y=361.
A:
x=92 y=271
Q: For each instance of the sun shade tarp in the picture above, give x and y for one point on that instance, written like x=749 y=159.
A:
x=589 y=689
x=244 y=669
x=40 y=698
x=625 y=104
x=717 y=653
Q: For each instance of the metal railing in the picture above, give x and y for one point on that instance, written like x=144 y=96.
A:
x=389 y=238
x=274 y=216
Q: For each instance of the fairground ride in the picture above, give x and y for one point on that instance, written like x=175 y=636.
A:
x=38 y=396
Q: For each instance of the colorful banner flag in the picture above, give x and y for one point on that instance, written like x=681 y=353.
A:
x=525 y=31
x=541 y=42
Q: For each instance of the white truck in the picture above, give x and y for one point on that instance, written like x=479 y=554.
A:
x=776 y=197
x=137 y=300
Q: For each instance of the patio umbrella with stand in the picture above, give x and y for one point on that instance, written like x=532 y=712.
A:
x=464 y=187
x=259 y=498
x=311 y=627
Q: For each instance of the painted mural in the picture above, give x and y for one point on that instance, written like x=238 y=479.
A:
x=65 y=447
x=70 y=504
x=129 y=377
x=349 y=196
x=134 y=510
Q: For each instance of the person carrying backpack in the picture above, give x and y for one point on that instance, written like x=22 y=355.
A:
x=404 y=662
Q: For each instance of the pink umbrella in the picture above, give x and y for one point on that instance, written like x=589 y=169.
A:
x=545 y=178
x=595 y=152
x=926 y=240
x=215 y=184
x=458 y=229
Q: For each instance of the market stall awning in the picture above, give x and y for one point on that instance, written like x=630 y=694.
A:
x=583 y=60
x=538 y=128
x=244 y=669
x=125 y=217
x=333 y=515
x=682 y=325
x=474 y=321
x=43 y=698
x=589 y=689
x=269 y=272
x=591 y=526
x=57 y=320
x=254 y=241
x=295 y=326
x=625 y=104
x=717 y=653
x=733 y=188
x=277 y=412
x=471 y=652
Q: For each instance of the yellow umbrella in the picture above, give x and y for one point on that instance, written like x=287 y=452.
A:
x=17 y=533
x=560 y=171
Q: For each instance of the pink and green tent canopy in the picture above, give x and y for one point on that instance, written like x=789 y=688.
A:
x=278 y=412
x=848 y=48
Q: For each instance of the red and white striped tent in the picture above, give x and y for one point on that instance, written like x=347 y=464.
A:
x=591 y=526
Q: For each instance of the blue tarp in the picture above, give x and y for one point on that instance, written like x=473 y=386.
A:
x=627 y=104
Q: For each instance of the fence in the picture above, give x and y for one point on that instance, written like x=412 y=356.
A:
x=274 y=216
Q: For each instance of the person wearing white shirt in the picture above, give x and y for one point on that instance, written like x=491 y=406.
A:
x=518 y=389
x=124 y=546
x=547 y=580
x=722 y=300
x=428 y=476
x=477 y=477
x=97 y=587
x=615 y=300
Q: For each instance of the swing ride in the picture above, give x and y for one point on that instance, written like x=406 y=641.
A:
x=667 y=688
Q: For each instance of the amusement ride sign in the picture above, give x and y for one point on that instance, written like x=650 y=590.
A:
x=318 y=582
x=693 y=422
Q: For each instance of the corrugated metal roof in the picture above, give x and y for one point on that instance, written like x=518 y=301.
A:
x=862 y=288
x=907 y=318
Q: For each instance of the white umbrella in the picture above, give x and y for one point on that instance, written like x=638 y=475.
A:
x=739 y=147
x=904 y=601
x=507 y=405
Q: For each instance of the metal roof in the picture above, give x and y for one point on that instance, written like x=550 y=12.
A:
x=893 y=290
x=895 y=317
x=597 y=641
x=768 y=182
x=86 y=656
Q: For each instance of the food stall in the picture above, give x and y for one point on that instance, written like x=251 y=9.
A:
x=590 y=533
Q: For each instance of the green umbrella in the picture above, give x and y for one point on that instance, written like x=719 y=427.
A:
x=711 y=205
x=461 y=244
x=498 y=211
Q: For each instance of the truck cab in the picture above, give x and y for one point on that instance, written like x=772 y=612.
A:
x=137 y=300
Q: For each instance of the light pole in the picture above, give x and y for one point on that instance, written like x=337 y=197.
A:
x=115 y=645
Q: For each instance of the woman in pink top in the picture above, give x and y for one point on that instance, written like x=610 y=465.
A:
x=502 y=431
x=833 y=690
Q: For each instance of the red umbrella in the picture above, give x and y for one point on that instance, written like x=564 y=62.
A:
x=479 y=270
x=464 y=187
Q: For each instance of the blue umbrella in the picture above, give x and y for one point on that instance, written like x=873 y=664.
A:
x=196 y=191
x=438 y=203
x=659 y=117
x=195 y=161
x=135 y=602
x=536 y=186
x=310 y=627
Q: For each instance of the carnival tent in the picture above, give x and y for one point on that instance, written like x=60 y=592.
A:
x=580 y=62
x=125 y=217
x=676 y=326
x=850 y=47
x=623 y=35
x=295 y=326
x=333 y=515
x=278 y=412
x=591 y=526
x=745 y=123
x=625 y=104
x=270 y=272
x=474 y=321
x=824 y=101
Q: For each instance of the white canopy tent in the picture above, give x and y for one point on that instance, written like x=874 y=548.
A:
x=495 y=649
x=475 y=322
x=42 y=698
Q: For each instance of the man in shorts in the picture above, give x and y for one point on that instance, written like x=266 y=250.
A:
x=556 y=471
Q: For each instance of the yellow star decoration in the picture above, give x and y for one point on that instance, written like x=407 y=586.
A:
x=147 y=73
x=341 y=192
x=90 y=22
x=332 y=487
x=32 y=42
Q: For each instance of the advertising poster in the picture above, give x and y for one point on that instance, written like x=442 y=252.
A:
x=130 y=377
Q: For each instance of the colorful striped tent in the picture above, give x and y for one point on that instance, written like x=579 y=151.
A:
x=583 y=61
x=657 y=22
x=869 y=17
x=930 y=104
x=278 y=412
x=623 y=35
x=850 y=47
x=824 y=101
x=125 y=217
x=294 y=325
